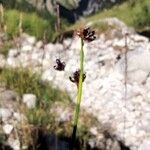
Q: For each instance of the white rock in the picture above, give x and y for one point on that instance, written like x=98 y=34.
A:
x=29 y=100
x=145 y=145
x=13 y=62
x=47 y=75
x=119 y=43
x=75 y=44
x=67 y=42
x=145 y=125
x=5 y=113
x=94 y=131
x=133 y=131
x=49 y=47
x=148 y=96
x=12 y=53
x=137 y=76
x=23 y=58
x=27 y=48
x=138 y=60
x=37 y=56
x=39 y=44
x=31 y=40
x=7 y=128
x=15 y=144
x=148 y=83
x=139 y=38
x=59 y=47
x=19 y=117
x=92 y=143
x=46 y=64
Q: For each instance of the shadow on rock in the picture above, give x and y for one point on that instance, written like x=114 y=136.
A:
x=5 y=147
x=50 y=141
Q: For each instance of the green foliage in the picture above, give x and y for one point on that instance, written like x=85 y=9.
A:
x=142 y=13
x=31 y=23
x=39 y=23
x=18 y=4
x=24 y=81
x=40 y=117
x=12 y=22
x=4 y=48
x=134 y=13
x=103 y=26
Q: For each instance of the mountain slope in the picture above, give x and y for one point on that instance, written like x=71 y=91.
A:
x=133 y=13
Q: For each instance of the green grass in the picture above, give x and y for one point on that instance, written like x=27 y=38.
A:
x=133 y=13
x=31 y=24
x=43 y=116
x=24 y=81
x=5 y=46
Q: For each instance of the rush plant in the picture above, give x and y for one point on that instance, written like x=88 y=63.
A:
x=78 y=76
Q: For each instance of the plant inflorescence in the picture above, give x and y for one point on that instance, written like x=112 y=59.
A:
x=85 y=34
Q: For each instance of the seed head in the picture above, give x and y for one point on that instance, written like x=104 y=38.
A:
x=60 y=66
x=76 y=76
x=86 y=34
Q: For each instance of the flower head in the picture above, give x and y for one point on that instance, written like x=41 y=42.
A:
x=86 y=34
x=60 y=66
x=76 y=76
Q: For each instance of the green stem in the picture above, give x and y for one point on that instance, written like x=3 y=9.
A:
x=79 y=94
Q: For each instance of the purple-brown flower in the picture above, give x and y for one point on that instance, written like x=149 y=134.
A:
x=86 y=34
x=60 y=66
x=76 y=76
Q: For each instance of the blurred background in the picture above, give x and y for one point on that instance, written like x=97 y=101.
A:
x=42 y=16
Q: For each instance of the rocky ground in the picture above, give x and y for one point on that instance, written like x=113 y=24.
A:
x=116 y=89
x=11 y=118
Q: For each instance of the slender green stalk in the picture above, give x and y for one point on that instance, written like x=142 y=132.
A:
x=79 y=94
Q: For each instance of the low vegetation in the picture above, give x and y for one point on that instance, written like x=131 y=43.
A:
x=135 y=13
x=31 y=23
x=24 y=81
x=5 y=46
x=43 y=116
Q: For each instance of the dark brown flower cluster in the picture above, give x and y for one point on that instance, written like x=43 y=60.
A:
x=60 y=66
x=76 y=76
x=87 y=34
